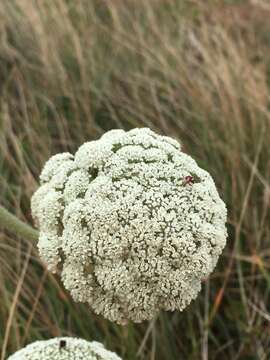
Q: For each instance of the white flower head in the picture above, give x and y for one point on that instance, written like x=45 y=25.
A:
x=132 y=223
x=65 y=348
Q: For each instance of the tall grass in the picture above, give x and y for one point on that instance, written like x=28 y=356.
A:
x=70 y=70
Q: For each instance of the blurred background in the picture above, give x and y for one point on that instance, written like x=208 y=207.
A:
x=195 y=70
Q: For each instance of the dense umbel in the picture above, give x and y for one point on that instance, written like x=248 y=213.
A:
x=131 y=222
x=65 y=348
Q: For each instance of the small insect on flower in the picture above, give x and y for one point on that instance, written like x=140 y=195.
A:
x=62 y=344
x=188 y=180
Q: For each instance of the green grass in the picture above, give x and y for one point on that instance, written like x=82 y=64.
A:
x=70 y=71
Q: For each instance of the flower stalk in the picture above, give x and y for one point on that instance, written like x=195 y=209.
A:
x=11 y=223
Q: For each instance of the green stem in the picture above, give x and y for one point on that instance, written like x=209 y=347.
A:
x=15 y=225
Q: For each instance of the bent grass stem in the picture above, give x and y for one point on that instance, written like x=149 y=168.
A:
x=11 y=223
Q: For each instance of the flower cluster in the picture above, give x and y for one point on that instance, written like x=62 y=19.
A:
x=132 y=223
x=65 y=348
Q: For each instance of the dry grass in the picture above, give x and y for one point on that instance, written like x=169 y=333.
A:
x=70 y=71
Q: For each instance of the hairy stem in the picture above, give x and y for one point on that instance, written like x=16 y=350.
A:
x=15 y=225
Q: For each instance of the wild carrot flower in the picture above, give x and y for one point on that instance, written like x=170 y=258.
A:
x=132 y=222
x=65 y=348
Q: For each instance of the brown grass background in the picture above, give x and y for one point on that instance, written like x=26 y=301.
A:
x=195 y=70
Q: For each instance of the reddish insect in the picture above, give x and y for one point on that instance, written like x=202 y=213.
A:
x=188 y=180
